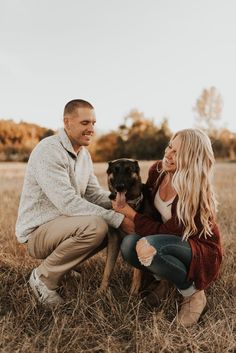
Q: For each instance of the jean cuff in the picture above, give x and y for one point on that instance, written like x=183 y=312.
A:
x=189 y=291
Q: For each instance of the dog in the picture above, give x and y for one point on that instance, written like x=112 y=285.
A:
x=125 y=185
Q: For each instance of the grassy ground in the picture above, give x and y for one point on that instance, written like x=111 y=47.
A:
x=116 y=323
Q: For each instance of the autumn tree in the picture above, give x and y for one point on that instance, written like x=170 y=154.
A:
x=18 y=139
x=106 y=147
x=142 y=138
x=224 y=144
x=138 y=137
x=208 y=109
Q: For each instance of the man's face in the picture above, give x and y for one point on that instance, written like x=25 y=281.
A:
x=80 y=127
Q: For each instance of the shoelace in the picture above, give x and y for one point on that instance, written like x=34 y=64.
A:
x=41 y=289
x=43 y=292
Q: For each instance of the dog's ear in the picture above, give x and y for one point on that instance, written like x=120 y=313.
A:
x=137 y=168
x=109 y=165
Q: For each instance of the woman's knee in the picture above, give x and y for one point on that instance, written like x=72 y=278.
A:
x=128 y=246
x=145 y=251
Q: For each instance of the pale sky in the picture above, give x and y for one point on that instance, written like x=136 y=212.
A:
x=153 y=55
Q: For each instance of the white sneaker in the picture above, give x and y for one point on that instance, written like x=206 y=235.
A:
x=45 y=296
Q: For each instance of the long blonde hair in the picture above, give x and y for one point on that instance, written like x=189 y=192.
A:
x=192 y=181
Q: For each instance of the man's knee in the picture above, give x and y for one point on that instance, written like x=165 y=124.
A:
x=101 y=227
x=97 y=230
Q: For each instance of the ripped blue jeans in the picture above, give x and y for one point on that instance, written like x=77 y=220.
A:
x=171 y=260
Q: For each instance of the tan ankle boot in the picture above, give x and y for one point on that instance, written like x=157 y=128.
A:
x=157 y=293
x=191 y=309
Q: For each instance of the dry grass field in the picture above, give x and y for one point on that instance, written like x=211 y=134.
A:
x=116 y=323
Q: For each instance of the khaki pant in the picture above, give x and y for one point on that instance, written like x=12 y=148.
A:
x=64 y=243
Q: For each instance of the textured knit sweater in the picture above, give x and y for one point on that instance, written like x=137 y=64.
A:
x=206 y=252
x=60 y=182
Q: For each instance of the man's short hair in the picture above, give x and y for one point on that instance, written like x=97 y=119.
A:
x=71 y=106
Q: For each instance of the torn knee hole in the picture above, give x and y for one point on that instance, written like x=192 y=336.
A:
x=145 y=252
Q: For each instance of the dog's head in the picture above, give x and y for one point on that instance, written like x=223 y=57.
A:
x=123 y=179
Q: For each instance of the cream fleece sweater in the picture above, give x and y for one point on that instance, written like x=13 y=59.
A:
x=60 y=182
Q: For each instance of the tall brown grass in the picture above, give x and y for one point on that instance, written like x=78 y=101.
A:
x=117 y=322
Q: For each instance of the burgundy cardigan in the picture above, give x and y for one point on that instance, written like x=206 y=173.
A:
x=206 y=252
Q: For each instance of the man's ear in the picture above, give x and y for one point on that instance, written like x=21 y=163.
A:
x=66 y=121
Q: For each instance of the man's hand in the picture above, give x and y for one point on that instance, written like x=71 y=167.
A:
x=127 y=226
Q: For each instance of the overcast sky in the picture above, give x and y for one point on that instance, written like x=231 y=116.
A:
x=152 y=55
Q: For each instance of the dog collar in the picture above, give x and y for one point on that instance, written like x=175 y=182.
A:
x=136 y=202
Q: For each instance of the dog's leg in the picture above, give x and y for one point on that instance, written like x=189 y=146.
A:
x=136 y=281
x=113 y=247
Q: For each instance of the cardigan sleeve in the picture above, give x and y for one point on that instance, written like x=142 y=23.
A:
x=145 y=225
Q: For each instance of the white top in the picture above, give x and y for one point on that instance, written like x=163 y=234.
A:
x=163 y=207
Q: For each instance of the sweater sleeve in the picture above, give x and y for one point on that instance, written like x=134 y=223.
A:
x=51 y=174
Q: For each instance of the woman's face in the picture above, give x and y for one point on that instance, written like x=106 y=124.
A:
x=171 y=151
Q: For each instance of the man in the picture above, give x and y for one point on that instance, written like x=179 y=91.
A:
x=63 y=214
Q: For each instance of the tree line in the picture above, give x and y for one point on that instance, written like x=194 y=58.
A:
x=140 y=138
x=137 y=137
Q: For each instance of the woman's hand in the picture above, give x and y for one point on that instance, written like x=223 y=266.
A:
x=127 y=211
x=127 y=226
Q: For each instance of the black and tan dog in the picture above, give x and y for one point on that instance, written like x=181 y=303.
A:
x=125 y=184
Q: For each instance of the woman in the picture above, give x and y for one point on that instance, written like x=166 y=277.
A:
x=181 y=242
